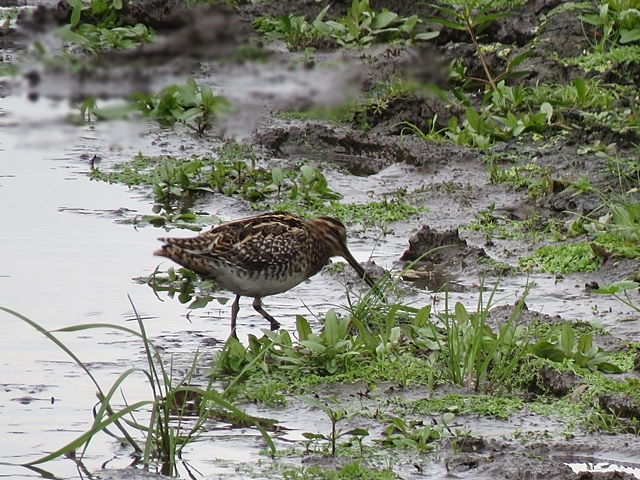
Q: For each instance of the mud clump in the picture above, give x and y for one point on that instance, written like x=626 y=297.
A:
x=445 y=249
x=439 y=256
x=621 y=404
x=605 y=476
x=509 y=465
x=356 y=152
x=407 y=109
x=557 y=383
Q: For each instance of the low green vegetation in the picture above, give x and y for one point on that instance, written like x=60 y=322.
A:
x=615 y=22
x=374 y=102
x=602 y=62
x=96 y=26
x=359 y=28
x=579 y=256
x=197 y=107
x=490 y=366
x=231 y=170
x=473 y=17
x=182 y=284
x=154 y=427
x=353 y=470
x=501 y=407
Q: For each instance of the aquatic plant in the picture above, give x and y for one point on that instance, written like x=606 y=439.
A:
x=163 y=434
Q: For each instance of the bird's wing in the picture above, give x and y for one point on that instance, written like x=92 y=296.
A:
x=255 y=243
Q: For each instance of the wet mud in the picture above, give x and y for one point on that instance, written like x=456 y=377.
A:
x=206 y=41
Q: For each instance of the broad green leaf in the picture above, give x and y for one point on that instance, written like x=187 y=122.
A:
x=314 y=402
x=200 y=302
x=603 y=10
x=383 y=20
x=353 y=29
x=321 y=15
x=331 y=333
x=544 y=349
x=331 y=366
x=115 y=112
x=567 y=340
x=518 y=59
x=313 y=436
x=426 y=35
x=617 y=287
x=277 y=176
x=446 y=23
x=207 y=96
x=462 y=316
x=308 y=172
x=591 y=18
x=73 y=37
x=284 y=338
x=315 y=347
x=190 y=115
x=303 y=328
x=448 y=11
x=187 y=96
x=581 y=89
x=609 y=367
x=422 y=317
x=584 y=343
x=357 y=432
x=490 y=18
x=76 y=11
x=409 y=24
x=508 y=122
x=474 y=119
x=343 y=326
x=627 y=36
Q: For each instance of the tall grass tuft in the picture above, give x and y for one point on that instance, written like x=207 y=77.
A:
x=160 y=439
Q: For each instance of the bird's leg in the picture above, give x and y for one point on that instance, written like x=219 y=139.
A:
x=235 y=308
x=257 y=304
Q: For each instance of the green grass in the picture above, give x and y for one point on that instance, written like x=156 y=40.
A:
x=342 y=114
x=481 y=405
x=577 y=257
x=604 y=61
x=351 y=471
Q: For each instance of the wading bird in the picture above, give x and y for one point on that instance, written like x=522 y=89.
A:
x=263 y=255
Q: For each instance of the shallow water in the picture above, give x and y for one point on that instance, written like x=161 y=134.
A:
x=66 y=260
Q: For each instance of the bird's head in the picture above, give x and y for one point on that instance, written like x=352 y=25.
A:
x=333 y=235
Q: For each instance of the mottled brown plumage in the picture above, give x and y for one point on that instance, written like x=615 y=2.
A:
x=262 y=255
